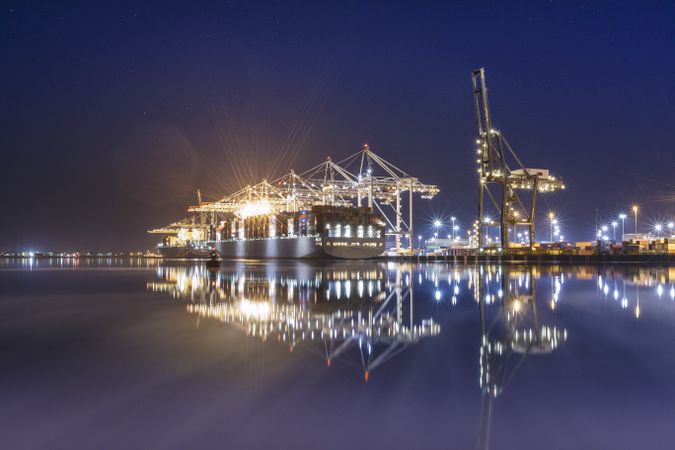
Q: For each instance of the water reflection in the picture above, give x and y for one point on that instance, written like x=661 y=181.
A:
x=41 y=263
x=341 y=307
x=371 y=311
x=510 y=333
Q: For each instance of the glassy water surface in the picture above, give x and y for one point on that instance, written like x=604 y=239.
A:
x=144 y=354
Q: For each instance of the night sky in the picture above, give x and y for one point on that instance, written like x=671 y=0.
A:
x=113 y=115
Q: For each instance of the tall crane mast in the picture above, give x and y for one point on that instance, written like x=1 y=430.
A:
x=495 y=158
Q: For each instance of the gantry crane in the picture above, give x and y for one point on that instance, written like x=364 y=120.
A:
x=361 y=177
x=498 y=164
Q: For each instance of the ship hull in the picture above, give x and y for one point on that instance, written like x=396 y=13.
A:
x=184 y=252
x=301 y=247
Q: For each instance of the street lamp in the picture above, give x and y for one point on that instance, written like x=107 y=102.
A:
x=614 y=224
x=658 y=227
x=453 y=226
x=635 y=211
x=419 y=241
x=487 y=221
x=437 y=225
x=622 y=216
x=551 y=218
x=671 y=225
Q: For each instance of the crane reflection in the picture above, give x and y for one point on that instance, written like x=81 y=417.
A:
x=368 y=312
x=510 y=333
x=367 y=308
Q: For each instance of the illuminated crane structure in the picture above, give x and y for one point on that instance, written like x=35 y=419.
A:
x=192 y=228
x=499 y=165
x=361 y=177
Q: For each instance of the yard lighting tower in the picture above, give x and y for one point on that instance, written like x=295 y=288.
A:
x=636 y=208
x=553 y=224
x=614 y=224
x=622 y=216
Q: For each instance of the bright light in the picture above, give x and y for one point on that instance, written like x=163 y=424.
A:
x=614 y=224
x=671 y=225
x=254 y=310
x=437 y=223
x=258 y=208
x=657 y=227
x=604 y=228
x=622 y=216
x=635 y=208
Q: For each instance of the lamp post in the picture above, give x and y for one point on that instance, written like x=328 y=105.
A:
x=453 y=226
x=553 y=220
x=437 y=225
x=614 y=224
x=658 y=227
x=604 y=229
x=671 y=225
x=487 y=221
x=622 y=216
x=635 y=211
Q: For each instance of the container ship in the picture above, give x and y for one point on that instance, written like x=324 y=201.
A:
x=321 y=232
x=326 y=212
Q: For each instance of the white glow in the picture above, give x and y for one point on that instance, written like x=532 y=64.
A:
x=258 y=208
x=254 y=310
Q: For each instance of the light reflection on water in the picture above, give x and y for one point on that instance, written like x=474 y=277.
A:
x=341 y=307
x=437 y=355
x=371 y=309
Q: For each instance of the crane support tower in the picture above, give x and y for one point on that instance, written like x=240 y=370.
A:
x=499 y=165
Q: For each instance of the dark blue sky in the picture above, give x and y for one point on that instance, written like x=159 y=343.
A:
x=111 y=116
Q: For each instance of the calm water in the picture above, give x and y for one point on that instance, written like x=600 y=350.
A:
x=136 y=354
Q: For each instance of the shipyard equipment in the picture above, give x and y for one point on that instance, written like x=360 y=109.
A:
x=351 y=204
x=500 y=167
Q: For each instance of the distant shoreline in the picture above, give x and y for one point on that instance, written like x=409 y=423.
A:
x=458 y=259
